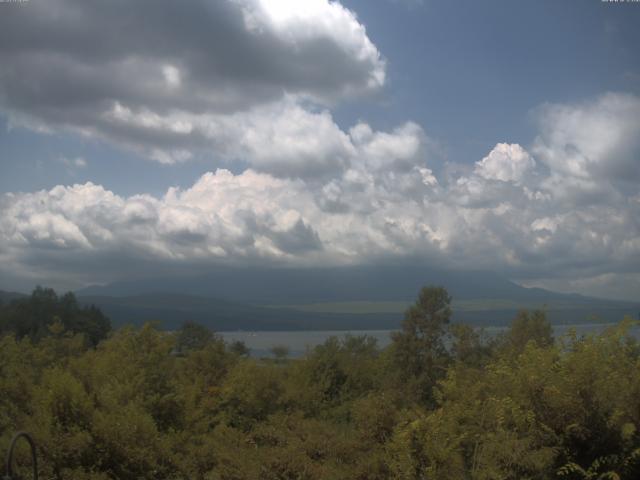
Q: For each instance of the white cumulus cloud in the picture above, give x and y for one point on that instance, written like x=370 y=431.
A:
x=378 y=198
x=506 y=163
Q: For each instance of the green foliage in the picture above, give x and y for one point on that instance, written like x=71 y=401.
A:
x=469 y=345
x=333 y=374
x=528 y=327
x=427 y=447
x=147 y=404
x=239 y=348
x=280 y=352
x=192 y=336
x=31 y=317
x=250 y=393
x=419 y=350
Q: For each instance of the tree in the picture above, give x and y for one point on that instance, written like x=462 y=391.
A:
x=470 y=345
x=239 y=348
x=419 y=349
x=30 y=317
x=251 y=392
x=193 y=336
x=280 y=352
x=528 y=327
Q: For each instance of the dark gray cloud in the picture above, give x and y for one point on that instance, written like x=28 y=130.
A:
x=113 y=69
x=92 y=51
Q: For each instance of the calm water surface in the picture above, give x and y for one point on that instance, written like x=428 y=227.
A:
x=298 y=342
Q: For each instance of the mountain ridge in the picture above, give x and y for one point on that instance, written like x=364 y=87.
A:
x=308 y=285
x=346 y=298
x=292 y=299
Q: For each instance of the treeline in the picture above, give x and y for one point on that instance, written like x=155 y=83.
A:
x=44 y=311
x=441 y=402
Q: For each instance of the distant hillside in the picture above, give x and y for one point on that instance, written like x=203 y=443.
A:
x=333 y=298
x=315 y=285
x=352 y=298
x=6 y=297
x=170 y=310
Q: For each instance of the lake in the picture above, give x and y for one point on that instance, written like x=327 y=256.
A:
x=260 y=343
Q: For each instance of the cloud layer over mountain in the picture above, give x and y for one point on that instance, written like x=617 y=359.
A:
x=513 y=212
x=253 y=83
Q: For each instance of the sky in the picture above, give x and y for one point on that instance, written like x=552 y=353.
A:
x=139 y=138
